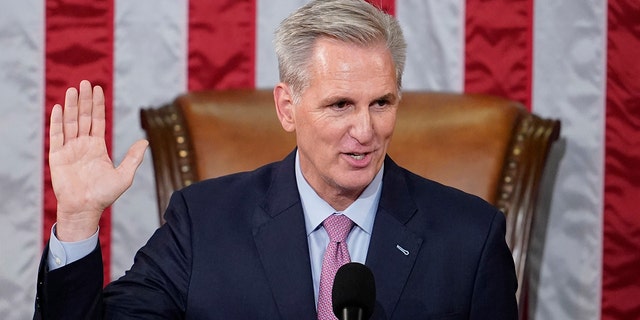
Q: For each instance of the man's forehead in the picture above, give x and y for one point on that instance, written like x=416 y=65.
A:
x=379 y=44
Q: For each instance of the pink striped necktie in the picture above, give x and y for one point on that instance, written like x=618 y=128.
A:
x=336 y=255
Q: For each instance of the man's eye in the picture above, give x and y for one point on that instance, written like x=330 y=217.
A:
x=340 y=105
x=381 y=103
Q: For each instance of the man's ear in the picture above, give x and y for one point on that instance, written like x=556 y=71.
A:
x=284 y=106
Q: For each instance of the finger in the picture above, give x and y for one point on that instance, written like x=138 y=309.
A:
x=70 y=115
x=85 y=101
x=56 y=136
x=132 y=159
x=98 y=121
x=84 y=108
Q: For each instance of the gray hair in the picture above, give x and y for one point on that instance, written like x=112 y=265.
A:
x=350 y=21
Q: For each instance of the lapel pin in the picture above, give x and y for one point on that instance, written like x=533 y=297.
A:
x=403 y=250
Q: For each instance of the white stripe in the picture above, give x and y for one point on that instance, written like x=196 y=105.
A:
x=150 y=69
x=434 y=31
x=269 y=15
x=569 y=83
x=21 y=151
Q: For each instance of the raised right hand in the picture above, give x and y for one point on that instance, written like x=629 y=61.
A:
x=83 y=176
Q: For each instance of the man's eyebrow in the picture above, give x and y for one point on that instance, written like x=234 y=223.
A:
x=387 y=97
x=335 y=99
x=390 y=97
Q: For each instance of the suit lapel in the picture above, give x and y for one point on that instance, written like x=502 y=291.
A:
x=281 y=240
x=393 y=248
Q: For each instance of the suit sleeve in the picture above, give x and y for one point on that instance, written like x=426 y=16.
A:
x=154 y=288
x=494 y=293
x=156 y=285
x=71 y=292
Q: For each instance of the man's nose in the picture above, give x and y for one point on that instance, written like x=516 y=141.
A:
x=362 y=126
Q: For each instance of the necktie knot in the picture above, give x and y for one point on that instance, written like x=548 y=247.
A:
x=338 y=227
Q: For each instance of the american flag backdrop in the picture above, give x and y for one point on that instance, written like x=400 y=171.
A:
x=575 y=60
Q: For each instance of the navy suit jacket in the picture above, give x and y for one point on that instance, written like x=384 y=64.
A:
x=235 y=247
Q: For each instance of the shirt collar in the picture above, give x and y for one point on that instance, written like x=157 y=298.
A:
x=362 y=212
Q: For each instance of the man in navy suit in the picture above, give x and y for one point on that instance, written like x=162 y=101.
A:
x=250 y=245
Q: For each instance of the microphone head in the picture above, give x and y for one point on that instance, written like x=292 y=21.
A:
x=354 y=287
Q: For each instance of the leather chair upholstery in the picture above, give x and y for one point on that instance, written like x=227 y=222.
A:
x=488 y=146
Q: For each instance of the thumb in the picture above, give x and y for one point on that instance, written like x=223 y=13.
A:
x=133 y=159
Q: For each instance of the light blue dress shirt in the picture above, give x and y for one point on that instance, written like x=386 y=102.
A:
x=362 y=212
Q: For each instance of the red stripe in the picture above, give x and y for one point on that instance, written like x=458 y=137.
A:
x=498 y=52
x=388 y=6
x=79 y=45
x=621 y=258
x=221 y=44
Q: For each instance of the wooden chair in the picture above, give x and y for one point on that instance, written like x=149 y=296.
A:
x=484 y=145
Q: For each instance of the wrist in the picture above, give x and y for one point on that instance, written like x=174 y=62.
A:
x=76 y=228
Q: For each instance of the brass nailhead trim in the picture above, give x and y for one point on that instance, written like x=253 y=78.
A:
x=506 y=191
x=179 y=133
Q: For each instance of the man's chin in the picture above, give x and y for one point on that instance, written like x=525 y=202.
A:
x=357 y=181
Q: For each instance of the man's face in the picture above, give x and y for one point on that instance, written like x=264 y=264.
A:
x=345 y=118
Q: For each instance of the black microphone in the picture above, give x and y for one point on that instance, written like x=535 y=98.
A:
x=354 y=292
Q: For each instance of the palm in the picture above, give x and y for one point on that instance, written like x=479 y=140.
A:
x=84 y=177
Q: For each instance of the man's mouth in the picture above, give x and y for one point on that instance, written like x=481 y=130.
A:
x=357 y=156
